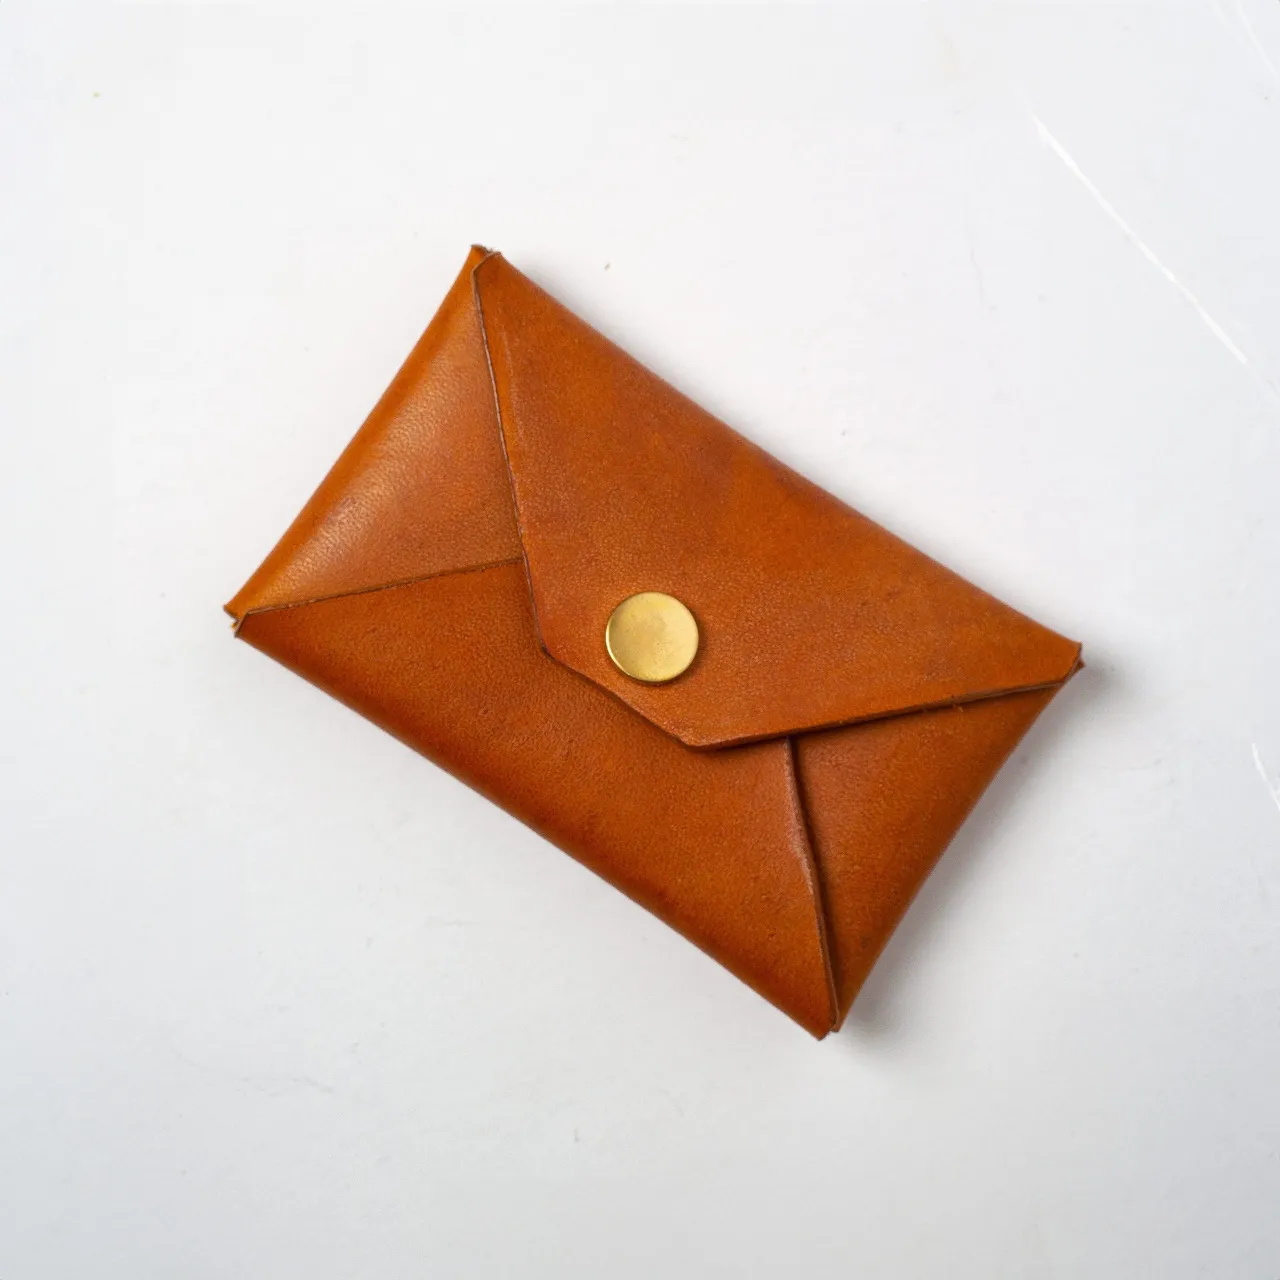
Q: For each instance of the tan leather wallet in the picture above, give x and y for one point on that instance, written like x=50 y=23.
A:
x=754 y=711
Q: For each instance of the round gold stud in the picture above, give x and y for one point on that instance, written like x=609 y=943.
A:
x=651 y=637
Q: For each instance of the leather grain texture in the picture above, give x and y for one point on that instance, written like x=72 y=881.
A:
x=780 y=803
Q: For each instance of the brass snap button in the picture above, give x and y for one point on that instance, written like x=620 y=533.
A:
x=651 y=637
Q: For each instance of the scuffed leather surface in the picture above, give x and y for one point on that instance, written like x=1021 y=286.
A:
x=779 y=804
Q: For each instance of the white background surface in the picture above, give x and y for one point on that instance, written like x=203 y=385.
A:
x=279 y=999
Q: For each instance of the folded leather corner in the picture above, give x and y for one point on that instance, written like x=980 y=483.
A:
x=883 y=801
x=422 y=489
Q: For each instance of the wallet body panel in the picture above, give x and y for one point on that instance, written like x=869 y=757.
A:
x=714 y=843
x=781 y=802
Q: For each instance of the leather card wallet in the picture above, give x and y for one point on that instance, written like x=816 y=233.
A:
x=751 y=709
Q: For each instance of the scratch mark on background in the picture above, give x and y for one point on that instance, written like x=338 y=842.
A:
x=1245 y=26
x=1132 y=236
x=1273 y=790
x=1257 y=44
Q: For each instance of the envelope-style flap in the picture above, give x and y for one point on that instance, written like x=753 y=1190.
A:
x=809 y=614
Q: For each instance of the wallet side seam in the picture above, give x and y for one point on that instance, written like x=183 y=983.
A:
x=813 y=877
x=986 y=695
x=521 y=531
x=364 y=591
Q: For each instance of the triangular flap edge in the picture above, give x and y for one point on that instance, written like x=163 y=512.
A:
x=833 y=622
